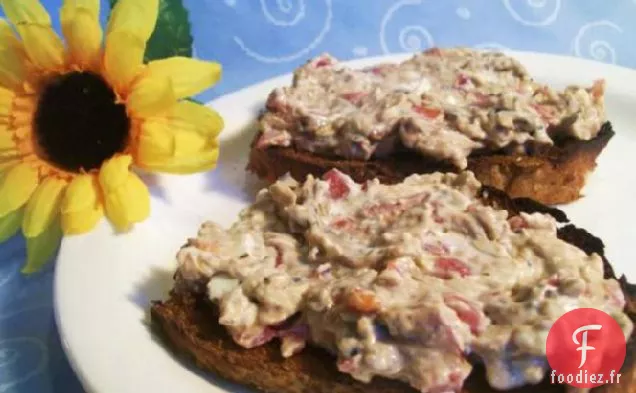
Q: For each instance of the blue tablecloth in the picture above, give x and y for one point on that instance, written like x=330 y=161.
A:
x=258 y=39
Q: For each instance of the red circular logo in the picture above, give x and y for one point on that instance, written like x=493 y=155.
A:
x=585 y=349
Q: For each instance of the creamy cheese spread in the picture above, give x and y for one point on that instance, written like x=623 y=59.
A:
x=443 y=103
x=406 y=281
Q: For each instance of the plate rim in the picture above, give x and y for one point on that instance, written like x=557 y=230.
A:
x=589 y=66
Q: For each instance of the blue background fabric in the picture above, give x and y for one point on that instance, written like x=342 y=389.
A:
x=259 y=39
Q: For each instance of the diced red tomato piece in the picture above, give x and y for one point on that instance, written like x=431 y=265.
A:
x=598 y=89
x=547 y=113
x=428 y=112
x=392 y=265
x=462 y=80
x=481 y=100
x=433 y=51
x=362 y=301
x=338 y=187
x=449 y=267
x=377 y=71
x=554 y=281
x=343 y=223
x=346 y=366
x=467 y=312
x=437 y=249
x=322 y=62
x=517 y=223
x=279 y=258
x=354 y=97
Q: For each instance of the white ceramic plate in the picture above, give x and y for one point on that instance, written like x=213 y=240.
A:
x=104 y=283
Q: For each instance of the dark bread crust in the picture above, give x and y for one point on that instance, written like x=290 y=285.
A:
x=552 y=175
x=187 y=322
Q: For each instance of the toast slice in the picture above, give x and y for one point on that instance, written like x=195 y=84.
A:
x=445 y=109
x=187 y=322
x=552 y=175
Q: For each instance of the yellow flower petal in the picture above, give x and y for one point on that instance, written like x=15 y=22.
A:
x=200 y=162
x=82 y=193
x=184 y=141
x=77 y=223
x=25 y=11
x=123 y=60
x=6 y=140
x=126 y=197
x=134 y=16
x=114 y=172
x=6 y=164
x=159 y=139
x=81 y=207
x=12 y=69
x=16 y=187
x=42 y=248
x=189 y=76
x=6 y=101
x=80 y=25
x=7 y=35
x=151 y=96
x=43 y=206
x=154 y=141
x=190 y=116
x=42 y=45
x=9 y=224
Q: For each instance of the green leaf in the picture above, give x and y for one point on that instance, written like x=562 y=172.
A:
x=10 y=224
x=172 y=35
x=42 y=248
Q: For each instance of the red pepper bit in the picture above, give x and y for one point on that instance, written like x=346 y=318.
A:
x=481 y=100
x=342 y=223
x=354 y=97
x=447 y=268
x=362 y=301
x=462 y=80
x=517 y=223
x=428 y=112
x=466 y=312
x=437 y=249
x=322 y=62
x=598 y=89
x=554 y=281
x=338 y=187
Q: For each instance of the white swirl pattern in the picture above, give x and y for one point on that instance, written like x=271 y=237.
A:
x=598 y=49
x=491 y=46
x=5 y=277
x=535 y=6
x=411 y=38
x=11 y=353
x=285 y=6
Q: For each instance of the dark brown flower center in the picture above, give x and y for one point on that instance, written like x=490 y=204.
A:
x=78 y=124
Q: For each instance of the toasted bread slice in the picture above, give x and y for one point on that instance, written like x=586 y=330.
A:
x=553 y=175
x=189 y=324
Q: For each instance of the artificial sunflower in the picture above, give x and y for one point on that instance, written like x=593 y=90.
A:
x=75 y=118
